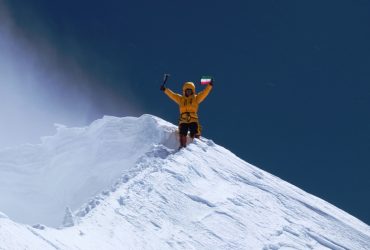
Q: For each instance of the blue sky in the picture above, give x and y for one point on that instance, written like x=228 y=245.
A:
x=292 y=89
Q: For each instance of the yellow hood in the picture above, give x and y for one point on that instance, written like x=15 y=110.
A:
x=188 y=85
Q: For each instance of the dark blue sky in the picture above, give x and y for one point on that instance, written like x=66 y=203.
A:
x=292 y=90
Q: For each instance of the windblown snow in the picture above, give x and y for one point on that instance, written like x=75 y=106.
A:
x=120 y=183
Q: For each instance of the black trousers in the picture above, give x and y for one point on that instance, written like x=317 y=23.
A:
x=192 y=127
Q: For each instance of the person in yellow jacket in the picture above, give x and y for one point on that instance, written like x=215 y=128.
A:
x=188 y=103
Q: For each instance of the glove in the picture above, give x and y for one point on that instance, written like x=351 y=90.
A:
x=163 y=88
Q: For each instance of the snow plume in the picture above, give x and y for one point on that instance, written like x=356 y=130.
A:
x=39 y=86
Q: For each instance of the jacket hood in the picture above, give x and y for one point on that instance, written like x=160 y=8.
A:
x=188 y=85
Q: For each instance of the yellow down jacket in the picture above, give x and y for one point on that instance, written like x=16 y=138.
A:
x=188 y=105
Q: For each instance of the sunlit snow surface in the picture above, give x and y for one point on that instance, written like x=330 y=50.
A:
x=130 y=189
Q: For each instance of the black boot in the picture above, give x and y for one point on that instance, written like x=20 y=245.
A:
x=182 y=141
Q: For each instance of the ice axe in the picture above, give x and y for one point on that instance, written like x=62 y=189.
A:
x=165 y=78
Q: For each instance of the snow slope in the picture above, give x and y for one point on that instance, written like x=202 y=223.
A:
x=72 y=166
x=129 y=189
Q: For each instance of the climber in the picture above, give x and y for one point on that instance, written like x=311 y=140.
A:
x=188 y=104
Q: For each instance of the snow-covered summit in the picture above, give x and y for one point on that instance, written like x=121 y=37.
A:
x=129 y=188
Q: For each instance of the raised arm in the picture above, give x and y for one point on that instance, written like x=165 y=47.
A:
x=175 y=97
x=203 y=94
